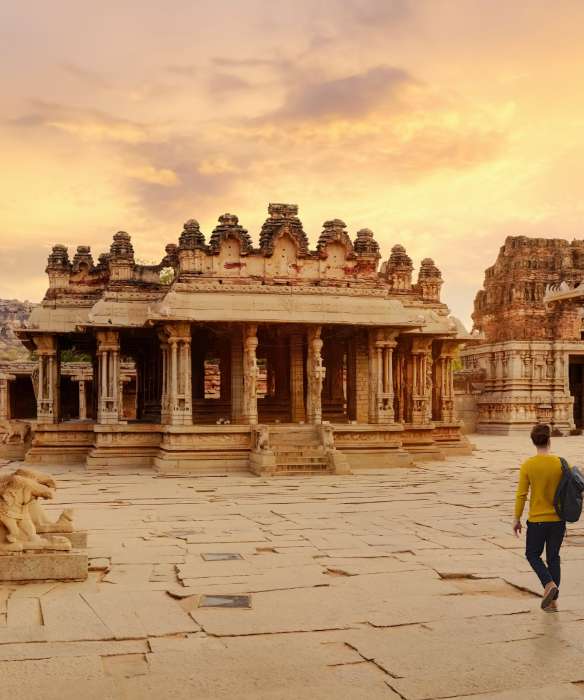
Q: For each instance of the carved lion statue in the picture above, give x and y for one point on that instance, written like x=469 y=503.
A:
x=19 y=496
x=64 y=522
x=262 y=438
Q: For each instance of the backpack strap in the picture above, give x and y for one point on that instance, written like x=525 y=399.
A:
x=565 y=472
x=565 y=466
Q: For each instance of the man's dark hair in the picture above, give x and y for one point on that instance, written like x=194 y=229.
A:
x=540 y=434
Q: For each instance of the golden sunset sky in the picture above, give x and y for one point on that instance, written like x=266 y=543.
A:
x=444 y=125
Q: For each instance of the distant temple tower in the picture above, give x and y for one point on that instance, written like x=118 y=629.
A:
x=531 y=352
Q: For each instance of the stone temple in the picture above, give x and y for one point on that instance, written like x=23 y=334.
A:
x=530 y=360
x=225 y=356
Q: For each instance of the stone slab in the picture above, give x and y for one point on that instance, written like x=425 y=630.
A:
x=55 y=566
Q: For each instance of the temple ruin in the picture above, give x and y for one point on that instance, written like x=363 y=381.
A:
x=529 y=361
x=225 y=356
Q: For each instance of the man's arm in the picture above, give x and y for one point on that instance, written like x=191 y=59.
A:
x=520 y=498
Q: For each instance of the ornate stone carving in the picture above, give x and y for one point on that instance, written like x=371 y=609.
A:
x=83 y=260
x=20 y=513
x=429 y=280
x=315 y=373
x=15 y=431
x=121 y=247
x=335 y=231
x=283 y=216
x=191 y=237
x=398 y=270
x=365 y=244
x=261 y=438
x=250 y=374
x=229 y=227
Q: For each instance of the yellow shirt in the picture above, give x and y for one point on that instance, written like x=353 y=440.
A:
x=540 y=475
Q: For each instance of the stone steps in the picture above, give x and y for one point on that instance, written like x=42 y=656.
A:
x=302 y=468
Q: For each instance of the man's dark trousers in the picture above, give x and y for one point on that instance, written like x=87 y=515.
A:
x=550 y=536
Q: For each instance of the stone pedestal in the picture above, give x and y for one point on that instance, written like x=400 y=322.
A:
x=46 y=566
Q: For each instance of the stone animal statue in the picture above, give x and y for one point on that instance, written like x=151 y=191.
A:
x=14 y=429
x=64 y=522
x=262 y=438
x=17 y=527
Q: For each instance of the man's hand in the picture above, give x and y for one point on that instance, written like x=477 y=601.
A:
x=517 y=527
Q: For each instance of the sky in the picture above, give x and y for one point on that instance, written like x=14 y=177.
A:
x=443 y=125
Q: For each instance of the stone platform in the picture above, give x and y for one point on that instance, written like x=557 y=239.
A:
x=389 y=584
x=227 y=449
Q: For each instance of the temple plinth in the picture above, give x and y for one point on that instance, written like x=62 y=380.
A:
x=226 y=356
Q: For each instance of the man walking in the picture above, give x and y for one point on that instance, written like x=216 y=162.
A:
x=540 y=475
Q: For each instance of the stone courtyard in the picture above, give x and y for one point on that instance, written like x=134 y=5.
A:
x=402 y=583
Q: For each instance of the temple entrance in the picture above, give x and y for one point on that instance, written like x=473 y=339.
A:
x=23 y=403
x=337 y=391
x=281 y=385
x=142 y=390
x=211 y=375
x=69 y=399
x=577 y=388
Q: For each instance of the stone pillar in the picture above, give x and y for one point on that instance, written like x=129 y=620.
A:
x=177 y=388
x=381 y=347
x=165 y=395
x=82 y=400
x=421 y=380
x=315 y=374
x=108 y=381
x=49 y=390
x=443 y=389
x=237 y=377
x=5 y=396
x=250 y=374
x=297 y=407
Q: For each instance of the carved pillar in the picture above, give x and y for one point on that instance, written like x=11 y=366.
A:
x=297 y=408
x=381 y=396
x=5 y=397
x=177 y=391
x=250 y=374
x=49 y=394
x=165 y=395
x=108 y=384
x=315 y=374
x=421 y=380
x=82 y=400
x=443 y=389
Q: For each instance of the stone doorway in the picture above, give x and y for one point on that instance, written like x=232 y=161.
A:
x=281 y=357
x=576 y=370
x=337 y=392
x=211 y=374
x=23 y=403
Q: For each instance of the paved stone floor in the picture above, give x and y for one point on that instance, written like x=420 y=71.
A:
x=394 y=584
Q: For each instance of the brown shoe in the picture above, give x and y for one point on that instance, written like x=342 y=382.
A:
x=550 y=594
x=552 y=607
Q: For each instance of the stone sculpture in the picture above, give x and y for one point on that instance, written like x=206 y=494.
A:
x=14 y=429
x=20 y=513
x=262 y=438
